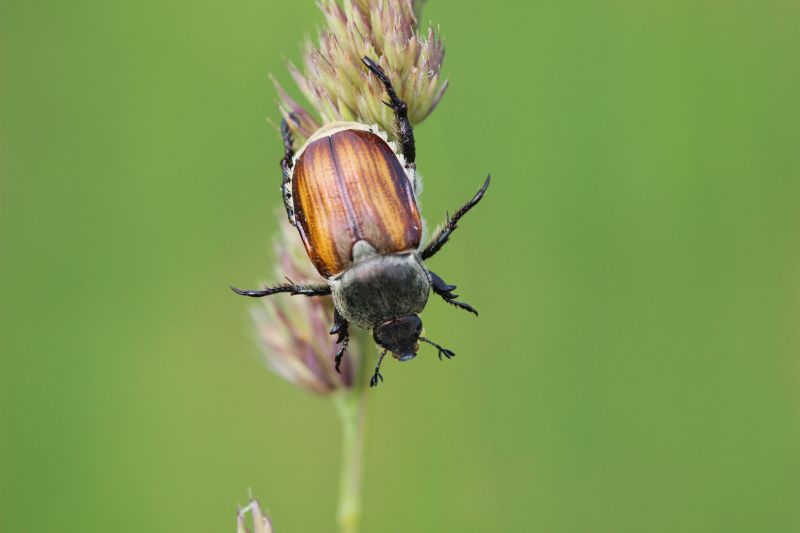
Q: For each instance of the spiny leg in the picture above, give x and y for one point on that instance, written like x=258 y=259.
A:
x=286 y=167
x=373 y=382
x=442 y=351
x=291 y=288
x=340 y=328
x=444 y=290
x=442 y=235
x=405 y=133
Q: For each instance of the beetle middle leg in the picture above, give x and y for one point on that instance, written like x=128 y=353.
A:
x=292 y=288
x=286 y=168
x=442 y=234
x=443 y=289
x=405 y=132
x=340 y=328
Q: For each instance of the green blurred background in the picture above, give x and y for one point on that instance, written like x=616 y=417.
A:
x=636 y=264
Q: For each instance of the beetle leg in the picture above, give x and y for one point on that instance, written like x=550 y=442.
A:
x=286 y=167
x=442 y=234
x=376 y=377
x=444 y=290
x=442 y=351
x=405 y=132
x=291 y=288
x=340 y=328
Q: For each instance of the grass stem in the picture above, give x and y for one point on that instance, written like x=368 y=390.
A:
x=351 y=406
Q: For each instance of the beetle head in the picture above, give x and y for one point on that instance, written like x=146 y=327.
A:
x=399 y=336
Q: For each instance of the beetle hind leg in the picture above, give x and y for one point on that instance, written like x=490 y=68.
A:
x=286 y=168
x=405 y=132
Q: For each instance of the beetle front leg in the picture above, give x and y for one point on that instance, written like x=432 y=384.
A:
x=286 y=168
x=448 y=354
x=376 y=377
x=444 y=290
x=340 y=328
x=405 y=132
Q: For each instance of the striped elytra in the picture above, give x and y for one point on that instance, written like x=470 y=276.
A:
x=350 y=186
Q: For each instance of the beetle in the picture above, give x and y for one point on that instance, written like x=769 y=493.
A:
x=351 y=194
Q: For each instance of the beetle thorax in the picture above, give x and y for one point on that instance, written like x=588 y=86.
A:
x=380 y=287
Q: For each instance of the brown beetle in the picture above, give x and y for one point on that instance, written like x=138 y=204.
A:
x=352 y=196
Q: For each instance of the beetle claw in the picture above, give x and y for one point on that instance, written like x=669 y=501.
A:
x=448 y=354
x=376 y=378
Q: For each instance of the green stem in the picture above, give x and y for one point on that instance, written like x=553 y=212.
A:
x=352 y=408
